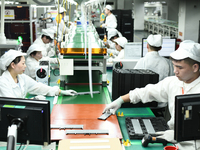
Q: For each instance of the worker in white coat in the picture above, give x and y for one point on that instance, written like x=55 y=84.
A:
x=152 y=60
x=46 y=45
x=111 y=21
x=45 y=40
x=186 y=62
x=16 y=84
x=34 y=54
x=112 y=35
x=59 y=23
x=119 y=45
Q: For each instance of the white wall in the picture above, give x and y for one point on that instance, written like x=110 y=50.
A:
x=189 y=16
x=192 y=20
x=173 y=9
x=128 y=4
x=181 y=20
x=120 y=4
x=139 y=14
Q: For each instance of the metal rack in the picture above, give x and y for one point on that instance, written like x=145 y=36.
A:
x=27 y=16
x=162 y=26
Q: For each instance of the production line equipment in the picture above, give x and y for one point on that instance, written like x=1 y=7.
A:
x=77 y=46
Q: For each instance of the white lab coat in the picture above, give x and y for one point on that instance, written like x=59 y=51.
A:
x=112 y=48
x=119 y=56
x=165 y=91
x=153 y=61
x=9 y=88
x=31 y=64
x=113 y=51
x=62 y=29
x=111 y=22
x=48 y=51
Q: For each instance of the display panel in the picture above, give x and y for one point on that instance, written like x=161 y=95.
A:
x=168 y=46
x=34 y=117
x=187 y=117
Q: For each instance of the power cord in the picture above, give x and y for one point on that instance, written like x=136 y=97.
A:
x=20 y=146
x=27 y=144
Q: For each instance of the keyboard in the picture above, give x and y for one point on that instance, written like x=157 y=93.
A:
x=137 y=127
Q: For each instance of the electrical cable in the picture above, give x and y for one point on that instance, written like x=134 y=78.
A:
x=195 y=144
x=20 y=146
x=54 y=73
x=27 y=144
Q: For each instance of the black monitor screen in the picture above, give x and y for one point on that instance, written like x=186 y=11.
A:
x=35 y=116
x=187 y=117
x=168 y=46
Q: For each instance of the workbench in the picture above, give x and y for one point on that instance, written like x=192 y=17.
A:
x=103 y=98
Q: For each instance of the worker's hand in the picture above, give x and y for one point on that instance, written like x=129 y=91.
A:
x=105 y=43
x=168 y=135
x=111 y=54
x=40 y=97
x=103 y=25
x=68 y=92
x=115 y=105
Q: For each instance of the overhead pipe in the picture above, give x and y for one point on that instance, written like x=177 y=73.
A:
x=2 y=34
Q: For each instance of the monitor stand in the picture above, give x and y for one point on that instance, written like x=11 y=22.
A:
x=12 y=137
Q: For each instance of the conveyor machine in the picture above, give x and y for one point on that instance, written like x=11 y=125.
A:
x=76 y=47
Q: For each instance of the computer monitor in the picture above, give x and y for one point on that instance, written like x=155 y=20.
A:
x=32 y=115
x=168 y=46
x=187 y=117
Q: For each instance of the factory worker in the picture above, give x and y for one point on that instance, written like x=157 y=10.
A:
x=45 y=40
x=119 y=45
x=111 y=21
x=34 y=54
x=186 y=62
x=16 y=84
x=152 y=60
x=62 y=29
x=112 y=35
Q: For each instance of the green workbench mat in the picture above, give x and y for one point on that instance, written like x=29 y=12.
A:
x=102 y=98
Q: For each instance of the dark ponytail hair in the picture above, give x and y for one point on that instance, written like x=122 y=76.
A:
x=16 y=61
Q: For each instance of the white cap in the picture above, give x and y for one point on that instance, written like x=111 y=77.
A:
x=187 y=49
x=122 y=41
x=109 y=7
x=35 y=47
x=113 y=32
x=8 y=57
x=62 y=10
x=47 y=32
x=155 y=40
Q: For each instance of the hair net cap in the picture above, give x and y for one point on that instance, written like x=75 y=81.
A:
x=35 y=47
x=109 y=7
x=122 y=41
x=8 y=57
x=155 y=40
x=62 y=10
x=49 y=33
x=187 y=49
x=111 y=33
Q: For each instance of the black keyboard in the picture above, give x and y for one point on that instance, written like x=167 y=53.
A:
x=137 y=127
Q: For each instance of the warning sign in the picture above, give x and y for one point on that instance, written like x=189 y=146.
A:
x=9 y=14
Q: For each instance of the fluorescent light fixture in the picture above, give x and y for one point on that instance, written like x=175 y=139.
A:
x=10 y=2
x=93 y=1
